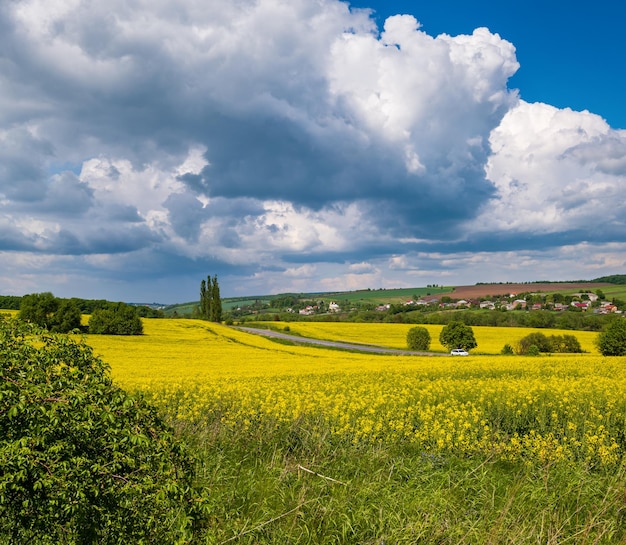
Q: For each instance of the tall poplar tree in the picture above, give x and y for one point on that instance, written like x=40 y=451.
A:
x=216 y=302
x=203 y=299
x=210 y=300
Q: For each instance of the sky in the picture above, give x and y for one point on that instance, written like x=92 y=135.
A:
x=308 y=145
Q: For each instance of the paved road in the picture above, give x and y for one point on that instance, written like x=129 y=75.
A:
x=335 y=344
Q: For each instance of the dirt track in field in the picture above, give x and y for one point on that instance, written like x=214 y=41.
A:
x=482 y=290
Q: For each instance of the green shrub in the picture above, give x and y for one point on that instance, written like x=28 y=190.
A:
x=418 y=338
x=82 y=461
x=565 y=343
x=120 y=319
x=538 y=340
x=507 y=350
x=533 y=350
x=552 y=343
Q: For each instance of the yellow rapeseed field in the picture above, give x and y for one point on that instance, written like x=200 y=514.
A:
x=540 y=409
x=490 y=339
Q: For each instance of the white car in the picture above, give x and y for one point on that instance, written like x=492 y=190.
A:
x=459 y=352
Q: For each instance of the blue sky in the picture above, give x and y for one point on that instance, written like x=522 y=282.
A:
x=290 y=145
x=570 y=52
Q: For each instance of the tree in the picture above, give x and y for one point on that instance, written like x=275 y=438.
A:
x=457 y=335
x=49 y=312
x=565 y=343
x=210 y=300
x=39 y=309
x=216 y=302
x=612 y=340
x=81 y=460
x=206 y=290
x=538 y=340
x=119 y=319
x=418 y=338
x=66 y=318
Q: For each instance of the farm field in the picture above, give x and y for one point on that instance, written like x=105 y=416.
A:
x=490 y=339
x=298 y=444
x=552 y=408
x=306 y=445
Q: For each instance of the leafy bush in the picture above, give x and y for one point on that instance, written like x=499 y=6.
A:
x=82 y=461
x=533 y=350
x=612 y=341
x=538 y=340
x=507 y=350
x=418 y=338
x=552 y=343
x=120 y=319
x=565 y=343
x=457 y=335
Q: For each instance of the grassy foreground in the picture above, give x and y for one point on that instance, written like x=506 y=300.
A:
x=298 y=487
x=306 y=445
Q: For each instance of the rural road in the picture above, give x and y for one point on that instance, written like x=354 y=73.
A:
x=336 y=344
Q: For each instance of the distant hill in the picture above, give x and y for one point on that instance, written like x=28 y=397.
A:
x=271 y=303
x=612 y=279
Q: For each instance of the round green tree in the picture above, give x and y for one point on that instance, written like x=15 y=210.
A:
x=612 y=340
x=457 y=335
x=418 y=338
x=82 y=461
x=119 y=319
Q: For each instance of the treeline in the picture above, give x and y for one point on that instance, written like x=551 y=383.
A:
x=86 y=306
x=570 y=320
x=65 y=315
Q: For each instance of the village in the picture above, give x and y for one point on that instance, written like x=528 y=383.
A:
x=581 y=302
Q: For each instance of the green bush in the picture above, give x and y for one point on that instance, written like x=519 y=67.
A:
x=565 y=343
x=538 y=340
x=418 y=338
x=507 y=350
x=120 y=319
x=82 y=461
x=533 y=350
x=552 y=343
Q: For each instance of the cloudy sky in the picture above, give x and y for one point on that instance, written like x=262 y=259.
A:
x=307 y=145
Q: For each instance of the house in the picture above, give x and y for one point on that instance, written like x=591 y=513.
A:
x=333 y=307
x=307 y=311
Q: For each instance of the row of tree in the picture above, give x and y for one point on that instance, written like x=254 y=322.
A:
x=210 y=300
x=86 y=306
x=453 y=335
x=610 y=342
x=64 y=315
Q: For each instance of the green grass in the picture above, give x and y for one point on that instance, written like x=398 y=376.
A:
x=299 y=485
